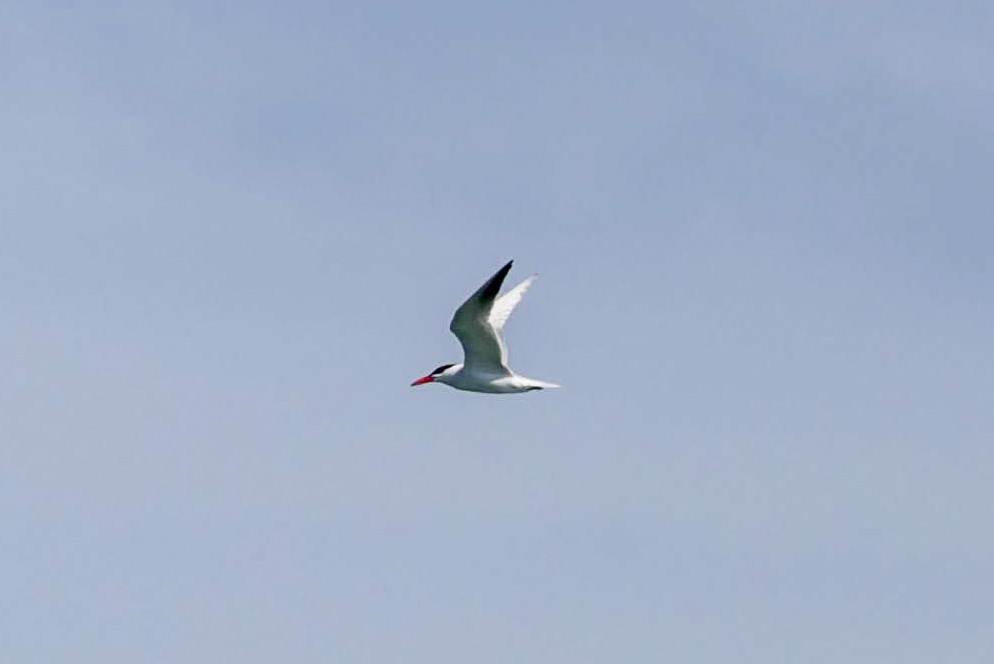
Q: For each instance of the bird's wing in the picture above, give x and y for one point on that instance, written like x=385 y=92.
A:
x=506 y=303
x=481 y=341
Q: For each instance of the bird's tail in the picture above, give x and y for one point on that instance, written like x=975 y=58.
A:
x=541 y=385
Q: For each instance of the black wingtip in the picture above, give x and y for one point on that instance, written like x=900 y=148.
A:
x=492 y=287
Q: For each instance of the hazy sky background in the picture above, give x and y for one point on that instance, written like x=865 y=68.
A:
x=231 y=234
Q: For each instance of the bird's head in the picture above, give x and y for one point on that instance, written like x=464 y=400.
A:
x=441 y=374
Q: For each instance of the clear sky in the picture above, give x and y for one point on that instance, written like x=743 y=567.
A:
x=231 y=234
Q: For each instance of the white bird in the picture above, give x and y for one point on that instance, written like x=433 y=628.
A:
x=478 y=324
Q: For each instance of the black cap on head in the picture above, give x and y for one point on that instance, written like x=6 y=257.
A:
x=441 y=369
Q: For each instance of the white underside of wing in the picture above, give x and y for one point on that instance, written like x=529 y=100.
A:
x=505 y=304
x=482 y=346
x=478 y=328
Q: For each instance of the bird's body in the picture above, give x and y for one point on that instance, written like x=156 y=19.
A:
x=478 y=324
x=493 y=383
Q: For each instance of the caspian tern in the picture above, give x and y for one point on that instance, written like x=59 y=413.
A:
x=478 y=324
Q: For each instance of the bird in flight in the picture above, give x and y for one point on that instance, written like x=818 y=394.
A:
x=478 y=324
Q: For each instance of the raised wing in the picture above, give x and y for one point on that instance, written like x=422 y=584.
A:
x=506 y=303
x=481 y=341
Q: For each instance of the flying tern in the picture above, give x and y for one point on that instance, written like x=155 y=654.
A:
x=478 y=324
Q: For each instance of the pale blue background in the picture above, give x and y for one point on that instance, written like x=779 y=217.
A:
x=231 y=234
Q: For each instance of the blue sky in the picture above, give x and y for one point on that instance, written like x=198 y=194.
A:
x=231 y=234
